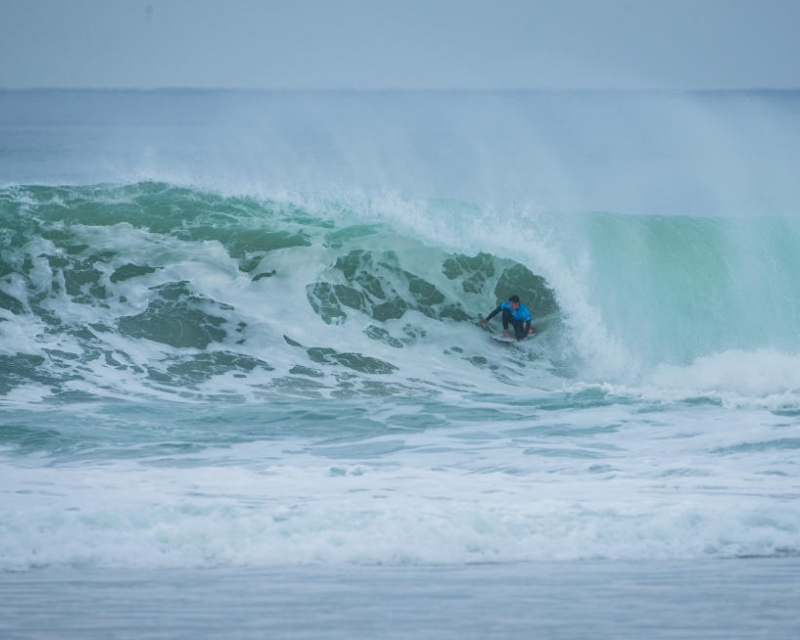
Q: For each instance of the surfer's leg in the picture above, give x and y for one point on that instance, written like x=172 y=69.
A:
x=507 y=319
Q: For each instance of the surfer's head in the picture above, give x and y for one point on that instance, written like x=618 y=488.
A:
x=514 y=301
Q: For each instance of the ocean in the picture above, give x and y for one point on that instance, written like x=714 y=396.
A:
x=244 y=391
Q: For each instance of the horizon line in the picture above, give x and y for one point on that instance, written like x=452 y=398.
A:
x=389 y=89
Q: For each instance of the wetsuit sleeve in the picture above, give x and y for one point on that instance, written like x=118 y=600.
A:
x=528 y=319
x=493 y=313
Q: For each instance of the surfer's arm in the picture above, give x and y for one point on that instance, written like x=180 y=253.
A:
x=491 y=315
x=528 y=320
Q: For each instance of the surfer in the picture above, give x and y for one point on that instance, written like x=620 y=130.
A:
x=515 y=314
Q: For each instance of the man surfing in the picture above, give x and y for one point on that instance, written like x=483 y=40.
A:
x=515 y=314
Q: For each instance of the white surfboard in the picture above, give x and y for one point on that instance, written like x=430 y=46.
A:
x=503 y=339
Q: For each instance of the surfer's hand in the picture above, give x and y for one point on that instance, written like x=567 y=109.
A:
x=483 y=321
x=532 y=330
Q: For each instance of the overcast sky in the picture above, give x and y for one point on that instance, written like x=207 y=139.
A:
x=373 y=44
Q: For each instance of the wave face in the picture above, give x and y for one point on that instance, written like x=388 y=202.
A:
x=165 y=289
x=241 y=329
x=157 y=288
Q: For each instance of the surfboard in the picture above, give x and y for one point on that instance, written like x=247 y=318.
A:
x=508 y=340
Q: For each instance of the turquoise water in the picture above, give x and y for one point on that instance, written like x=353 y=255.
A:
x=238 y=337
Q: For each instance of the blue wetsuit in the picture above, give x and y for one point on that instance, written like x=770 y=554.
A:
x=519 y=319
